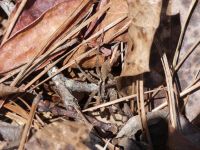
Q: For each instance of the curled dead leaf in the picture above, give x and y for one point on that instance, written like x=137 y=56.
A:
x=145 y=16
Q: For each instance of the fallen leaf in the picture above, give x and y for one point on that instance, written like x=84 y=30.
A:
x=24 y=45
x=61 y=135
x=32 y=11
x=145 y=16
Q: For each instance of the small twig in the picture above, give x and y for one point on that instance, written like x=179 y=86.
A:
x=80 y=86
x=88 y=77
x=69 y=111
x=174 y=113
x=118 y=100
x=188 y=90
x=90 y=99
x=10 y=74
x=65 y=93
x=161 y=106
x=143 y=113
x=138 y=99
x=173 y=108
x=122 y=54
x=13 y=21
x=29 y=122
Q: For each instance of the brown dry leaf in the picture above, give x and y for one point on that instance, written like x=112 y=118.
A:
x=60 y=135
x=145 y=16
x=32 y=11
x=23 y=46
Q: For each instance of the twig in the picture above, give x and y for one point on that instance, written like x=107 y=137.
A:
x=67 y=97
x=161 y=106
x=188 y=90
x=88 y=77
x=29 y=122
x=143 y=113
x=174 y=114
x=13 y=21
x=80 y=86
x=117 y=101
x=173 y=108
x=12 y=73
x=138 y=99
x=89 y=99
x=69 y=111
x=65 y=94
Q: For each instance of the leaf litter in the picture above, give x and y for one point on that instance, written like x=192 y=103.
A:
x=109 y=74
